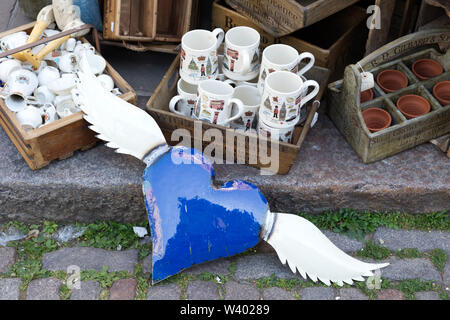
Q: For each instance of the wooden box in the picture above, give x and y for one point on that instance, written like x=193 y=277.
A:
x=281 y=17
x=59 y=139
x=237 y=141
x=335 y=42
x=345 y=107
x=148 y=20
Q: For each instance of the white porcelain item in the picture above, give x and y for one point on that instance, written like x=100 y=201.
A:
x=97 y=63
x=235 y=83
x=14 y=40
x=30 y=116
x=47 y=75
x=7 y=66
x=199 y=59
x=44 y=95
x=50 y=114
x=281 y=57
x=215 y=101
x=283 y=99
x=106 y=81
x=185 y=100
x=68 y=62
x=66 y=108
x=241 y=53
x=251 y=99
x=62 y=86
x=22 y=82
x=70 y=44
x=281 y=133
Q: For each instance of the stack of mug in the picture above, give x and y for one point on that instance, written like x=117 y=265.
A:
x=239 y=89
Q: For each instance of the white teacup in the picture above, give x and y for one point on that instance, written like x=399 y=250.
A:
x=30 y=116
x=283 y=133
x=215 y=101
x=283 y=98
x=47 y=75
x=185 y=100
x=241 y=53
x=44 y=95
x=199 y=59
x=281 y=57
x=251 y=99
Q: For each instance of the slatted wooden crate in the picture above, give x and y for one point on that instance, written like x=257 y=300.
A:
x=281 y=17
x=345 y=107
x=59 y=139
x=148 y=20
x=239 y=142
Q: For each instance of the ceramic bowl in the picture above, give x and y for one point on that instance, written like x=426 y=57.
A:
x=47 y=75
x=62 y=86
x=376 y=119
x=392 y=80
x=441 y=92
x=426 y=68
x=413 y=106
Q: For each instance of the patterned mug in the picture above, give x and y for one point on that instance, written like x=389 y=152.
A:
x=185 y=100
x=199 y=59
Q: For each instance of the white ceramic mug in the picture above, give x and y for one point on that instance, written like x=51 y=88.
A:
x=185 y=100
x=281 y=57
x=215 y=101
x=283 y=97
x=241 y=53
x=199 y=59
x=284 y=133
x=251 y=99
x=30 y=116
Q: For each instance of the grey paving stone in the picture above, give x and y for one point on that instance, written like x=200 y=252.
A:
x=202 y=290
x=147 y=264
x=219 y=266
x=427 y=295
x=352 y=294
x=402 y=269
x=10 y=289
x=390 y=294
x=317 y=293
x=7 y=258
x=276 y=294
x=422 y=240
x=343 y=242
x=169 y=291
x=240 y=291
x=89 y=290
x=261 y=266
x=447 y=274
x=123 y=289
x=44 y=289
x=90 y=258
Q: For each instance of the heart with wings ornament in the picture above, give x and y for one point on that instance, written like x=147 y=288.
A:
x=191 y=220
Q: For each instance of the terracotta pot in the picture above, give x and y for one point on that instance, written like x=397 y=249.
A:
x=441 y=92
x=413 y=106
x=426 y=68
x=366 y=95
x=392 y=80
x=376 y=119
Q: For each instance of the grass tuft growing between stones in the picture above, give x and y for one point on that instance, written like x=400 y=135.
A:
x=409 y=253
x=105 y=278
x=359 y=224
x=439 y=258
x=373 y=251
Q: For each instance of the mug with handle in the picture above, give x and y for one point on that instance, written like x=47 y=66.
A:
x=251 y=98
x=281 y=57
x=241 y=53
x=215 y=102
x=284 y=96
x=199 y=60
x=185 y=100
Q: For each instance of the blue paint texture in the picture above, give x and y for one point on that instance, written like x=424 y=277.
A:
x=191 y=220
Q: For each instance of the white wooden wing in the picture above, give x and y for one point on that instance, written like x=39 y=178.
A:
x=306 y=249
x=124 y=126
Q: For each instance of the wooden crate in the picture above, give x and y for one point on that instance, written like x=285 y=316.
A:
x=57 y=140
x=148 y=20
x=345 y=107
x=281 y=17
x=335 y=41
x=158 y=107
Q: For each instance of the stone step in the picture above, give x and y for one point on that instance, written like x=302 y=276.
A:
x=99 y=184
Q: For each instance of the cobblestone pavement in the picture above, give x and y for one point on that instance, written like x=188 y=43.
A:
x=421 y=272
